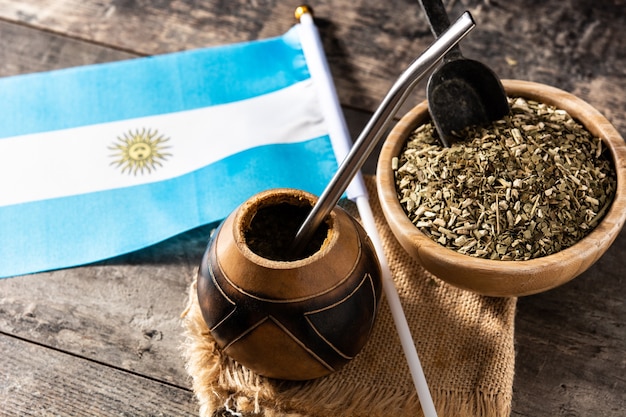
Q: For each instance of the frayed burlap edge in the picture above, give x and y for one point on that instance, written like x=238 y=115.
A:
x=220 y=383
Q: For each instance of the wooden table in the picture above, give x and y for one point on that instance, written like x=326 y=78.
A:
x=104 y=339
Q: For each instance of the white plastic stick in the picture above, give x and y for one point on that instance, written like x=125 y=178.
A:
x=320 y=72
x=397 y=313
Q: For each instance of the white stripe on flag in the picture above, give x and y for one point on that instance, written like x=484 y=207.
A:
x=80 y=160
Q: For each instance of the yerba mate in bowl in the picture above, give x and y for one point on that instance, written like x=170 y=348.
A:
x=527 y=205
x=523 y=187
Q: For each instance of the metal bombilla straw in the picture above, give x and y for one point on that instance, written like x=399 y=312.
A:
x=376 y=126
x=370 y=135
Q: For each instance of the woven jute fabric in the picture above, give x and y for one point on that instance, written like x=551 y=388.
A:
x=464 y=342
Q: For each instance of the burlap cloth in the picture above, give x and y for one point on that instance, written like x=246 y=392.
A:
x=464 y=341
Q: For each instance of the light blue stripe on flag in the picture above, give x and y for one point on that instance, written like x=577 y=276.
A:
x=149 y=86
x=78 y=228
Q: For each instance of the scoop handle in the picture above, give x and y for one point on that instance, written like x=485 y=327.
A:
x=439 y=22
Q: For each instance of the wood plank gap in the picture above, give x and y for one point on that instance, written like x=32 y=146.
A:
x=95 y=361
x=65 y=35
x=45 y=382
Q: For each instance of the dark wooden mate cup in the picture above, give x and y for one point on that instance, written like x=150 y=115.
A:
x=294 y=319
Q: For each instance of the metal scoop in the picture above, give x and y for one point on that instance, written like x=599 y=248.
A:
x=461 y=92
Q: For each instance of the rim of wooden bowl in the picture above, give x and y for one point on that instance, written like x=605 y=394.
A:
x=273 y=197
x=507 y=278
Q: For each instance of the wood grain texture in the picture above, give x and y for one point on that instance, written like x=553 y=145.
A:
x=124 y=312
x=36 y=381
x=116 y=320
x=570 y=345
x=26 y=50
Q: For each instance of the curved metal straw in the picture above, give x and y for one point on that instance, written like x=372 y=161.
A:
x=374 y=129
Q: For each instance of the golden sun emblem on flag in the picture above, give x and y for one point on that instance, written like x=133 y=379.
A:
x=139 y=151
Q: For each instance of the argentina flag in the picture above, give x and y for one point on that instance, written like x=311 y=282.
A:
x=101 y=160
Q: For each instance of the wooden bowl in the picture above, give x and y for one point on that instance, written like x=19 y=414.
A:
x=495 y=277
x=289 y=319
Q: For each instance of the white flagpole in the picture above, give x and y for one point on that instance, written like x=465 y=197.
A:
x=320 y=73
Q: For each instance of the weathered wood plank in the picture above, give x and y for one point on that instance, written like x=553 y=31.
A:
x=124 y=312
x=571 y=44
x=35 y=381
x=571 y=344
x=25 y=50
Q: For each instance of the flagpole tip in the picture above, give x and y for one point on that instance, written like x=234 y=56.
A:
x=301 y=10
